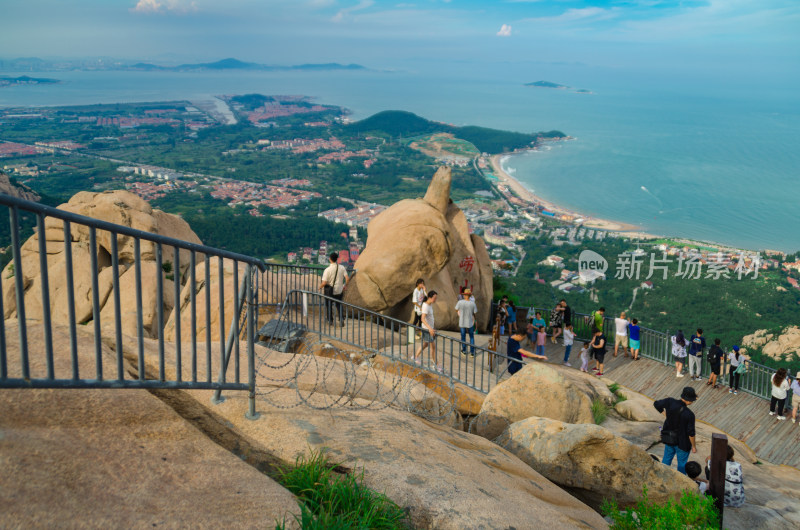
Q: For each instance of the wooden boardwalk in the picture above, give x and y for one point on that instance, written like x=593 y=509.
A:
x=742 y=416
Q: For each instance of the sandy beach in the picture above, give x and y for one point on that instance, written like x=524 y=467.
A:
x=592 y=222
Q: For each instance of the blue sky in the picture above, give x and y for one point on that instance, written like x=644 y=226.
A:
x=729 y=35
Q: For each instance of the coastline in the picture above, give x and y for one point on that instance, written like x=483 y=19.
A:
x=566 y=214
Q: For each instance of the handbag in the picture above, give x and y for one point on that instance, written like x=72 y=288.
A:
x=328 y=289
x=670 y=436
x=741 y=369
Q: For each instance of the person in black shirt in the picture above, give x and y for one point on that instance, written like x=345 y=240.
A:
x=680 y=419
x=598 y=346
x=715 y=356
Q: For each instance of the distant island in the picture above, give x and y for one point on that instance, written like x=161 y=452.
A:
x=550 y=84
x=546 y=84
x=25 y=80
x=36 y=64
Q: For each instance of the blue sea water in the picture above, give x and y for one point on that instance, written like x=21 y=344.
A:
x=716 y=162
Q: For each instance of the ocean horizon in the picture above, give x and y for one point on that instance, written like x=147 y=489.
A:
x=705 y=162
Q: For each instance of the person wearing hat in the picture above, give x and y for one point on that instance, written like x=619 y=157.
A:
x=466 y=320
x=795 y=396
x=678 y=433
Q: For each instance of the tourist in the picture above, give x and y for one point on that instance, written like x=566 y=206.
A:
x=511 y=319
x=569 y=338
x=556 y=321
x=677 y=434
x=621 y=336
x=780 y=387
x=734 y=480
x=334 y=280
x=566 y=313
x=586 y=355
x=715 y=355
x=795 y=396
x=540 y=338
x=418 y=298
x=428 y=331
x=502 y=312
x=533 y=328
x=697 y=345
x=598 y=346
x=466 y=321
x=634 y=330
x=679 y=351
x=693 y=470
x=738 y=367
x=597 y=318
x=515 y=351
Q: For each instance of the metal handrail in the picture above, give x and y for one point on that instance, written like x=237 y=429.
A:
x=389 y=336
x=101 y=376
x=657 y=345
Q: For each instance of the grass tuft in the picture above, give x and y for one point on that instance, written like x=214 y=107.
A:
x=692 y=510
x=329 y=499
x=599 y=410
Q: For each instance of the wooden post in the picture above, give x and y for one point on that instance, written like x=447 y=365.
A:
x=716 y=482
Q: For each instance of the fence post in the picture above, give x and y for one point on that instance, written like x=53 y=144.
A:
x=719 y=458
x=667 y=343
x=251 y=368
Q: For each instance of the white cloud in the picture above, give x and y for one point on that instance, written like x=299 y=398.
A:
x=363 y=4
x=164 y=6
x=505 y=31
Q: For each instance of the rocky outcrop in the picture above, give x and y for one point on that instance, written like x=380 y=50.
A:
x=423 y=238
x=120 y=458
x=778 y=346
x=592 y=462
x=443 y=478
x=540 y=390
x=120 y=207
x=16 y=190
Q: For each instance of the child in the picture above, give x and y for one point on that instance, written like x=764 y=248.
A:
x=693 y=470
x=540 y=338
x=586 y=354
x=569 y=337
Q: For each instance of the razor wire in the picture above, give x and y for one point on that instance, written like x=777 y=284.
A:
x=325 y=376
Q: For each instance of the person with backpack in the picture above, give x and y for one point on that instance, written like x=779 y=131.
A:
x=678 y=433
x=418 y=298
x=597 y=318
x=697 y=345
x=734 y=480
x=334 y=280
x=738 y=367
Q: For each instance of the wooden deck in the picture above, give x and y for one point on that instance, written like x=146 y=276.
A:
x=742 y=416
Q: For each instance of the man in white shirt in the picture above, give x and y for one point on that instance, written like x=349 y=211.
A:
x=466 y=320
x=621 y=336
x=334 y=280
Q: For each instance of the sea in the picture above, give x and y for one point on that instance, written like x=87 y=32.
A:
x=687 y=157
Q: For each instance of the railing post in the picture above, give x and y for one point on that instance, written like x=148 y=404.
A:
x=20 y=291
x=251 y=369
x=719 y=459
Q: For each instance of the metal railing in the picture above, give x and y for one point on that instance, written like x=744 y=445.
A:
x=278 y=280
x=657 y=346
x=115 y=250
x=395 y=339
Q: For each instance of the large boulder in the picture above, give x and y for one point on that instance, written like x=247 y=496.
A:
x=541 y=390
x=423 y=238
x=592 y=462
x=443 y=478
x=120 y=207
